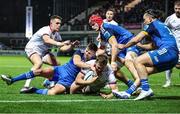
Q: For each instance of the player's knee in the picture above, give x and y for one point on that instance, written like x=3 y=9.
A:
x=37 y=72
x=178 y=66
x=52 y=92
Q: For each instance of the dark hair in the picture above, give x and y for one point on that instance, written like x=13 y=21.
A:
x=154 y=13
x=177 y=2
x=102 y=59
x=111 y=9
x=92 y=46
x=55 y=17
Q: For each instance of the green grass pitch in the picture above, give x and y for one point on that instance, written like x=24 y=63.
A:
x=164 y=101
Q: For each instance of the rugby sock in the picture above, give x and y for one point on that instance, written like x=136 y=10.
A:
x=145 y=84
x=23 y=76
x=131 y=89
x=41 y=91
x=168 y=75
x=130 y=83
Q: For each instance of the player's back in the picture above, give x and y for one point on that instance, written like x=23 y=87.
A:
x=161 y=34
x=122 y=35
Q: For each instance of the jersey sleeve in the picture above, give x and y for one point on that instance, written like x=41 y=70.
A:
x=148 y=29
x=106 y=33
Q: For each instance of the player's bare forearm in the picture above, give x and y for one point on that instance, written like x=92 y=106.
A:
x=135 y=39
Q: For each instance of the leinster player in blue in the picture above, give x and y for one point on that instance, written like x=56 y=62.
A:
x=115 y=35
x=164 y=57
x=64 y=75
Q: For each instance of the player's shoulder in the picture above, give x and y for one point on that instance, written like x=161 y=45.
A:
x=171 y=17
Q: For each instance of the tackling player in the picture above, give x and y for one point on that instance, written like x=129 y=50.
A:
x=164 y=57
x=63 y=75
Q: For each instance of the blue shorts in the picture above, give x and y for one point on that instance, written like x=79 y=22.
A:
x=61 y=76
x=164 y=59
x=123 y=53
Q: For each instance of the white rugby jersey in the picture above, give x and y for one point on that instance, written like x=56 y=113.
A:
x=107 y=77
x=173 y=22
x=37 y=40
x=110 y=22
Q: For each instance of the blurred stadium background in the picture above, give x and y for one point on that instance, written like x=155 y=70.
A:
x=75 y=14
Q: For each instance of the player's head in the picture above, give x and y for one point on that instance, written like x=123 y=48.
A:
x=150 y=15
x=110 y=14
x=55 y=22
x=101 y=62
x=177 y=8
x=95 y=21
x=90 y=51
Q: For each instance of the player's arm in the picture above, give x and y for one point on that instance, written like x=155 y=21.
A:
x=114 y=52
x=68 y=46
x=78 y=62
x=80 y=79
x=101 y=49
x=48 y=40
x=134 y=40
x=148 y=46
x=112 y=87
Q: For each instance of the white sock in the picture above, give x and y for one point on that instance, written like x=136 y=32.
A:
x=28 y=81
x=168 y=75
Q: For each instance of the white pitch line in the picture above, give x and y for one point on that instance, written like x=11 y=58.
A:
x=61 y=101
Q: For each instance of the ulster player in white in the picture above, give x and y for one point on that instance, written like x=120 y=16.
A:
x=173 y=22
x=37 y=47
x=105 y=76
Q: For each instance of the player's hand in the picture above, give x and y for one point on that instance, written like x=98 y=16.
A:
x=67 y=42
x=120 y=46
x=106 y=96
x=94 y=78
x=114 y=66
x=75 y=43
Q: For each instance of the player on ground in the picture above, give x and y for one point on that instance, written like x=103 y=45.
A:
x=38 y=46
x=115 y=35
x=164 y=57
x=63 y=75
x=104 y=76
x=173 y=22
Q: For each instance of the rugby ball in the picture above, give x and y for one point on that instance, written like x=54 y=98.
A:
x=89 y=75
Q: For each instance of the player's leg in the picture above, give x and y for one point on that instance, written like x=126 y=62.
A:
x=47 y=73
x=119 y=74
x=37 y=63
x=141 y=64
x=75 y=87
x=50 y=59
x=168 y=78
x=129 y=63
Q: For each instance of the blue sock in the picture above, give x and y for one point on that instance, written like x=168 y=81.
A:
x=24 y=76
x=42 y=91
x=145 y=84
x=130 y=83
x=131 y=89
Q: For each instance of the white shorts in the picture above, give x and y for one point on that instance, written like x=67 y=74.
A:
x=40 y=52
